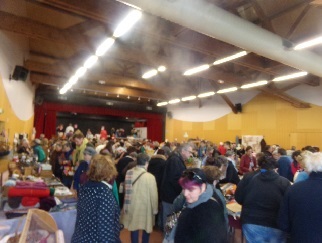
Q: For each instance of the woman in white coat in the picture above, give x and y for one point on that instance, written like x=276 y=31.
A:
x=140 y=201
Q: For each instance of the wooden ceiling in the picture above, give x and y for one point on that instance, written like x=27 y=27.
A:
x=64 y=33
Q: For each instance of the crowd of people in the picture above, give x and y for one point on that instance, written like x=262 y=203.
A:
x=124 y=184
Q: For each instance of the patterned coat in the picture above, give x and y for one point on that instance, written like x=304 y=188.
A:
x=97 y=215
x=144 y=202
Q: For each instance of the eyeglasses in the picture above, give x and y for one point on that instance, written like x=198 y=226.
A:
x=191 y=175
x=189 y=151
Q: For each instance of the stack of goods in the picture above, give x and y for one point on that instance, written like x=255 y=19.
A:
x=45 y=171
x=25 y=195
x=4 y=148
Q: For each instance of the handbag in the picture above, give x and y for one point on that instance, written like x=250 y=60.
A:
x=171 y=221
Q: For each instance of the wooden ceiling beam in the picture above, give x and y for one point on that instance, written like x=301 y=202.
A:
x=297 y=21
x=108 y=12
x=111 y=88
x=224 y=97
x=267 y=24
x=58 y=75
x=37 y=30
x=280 y=94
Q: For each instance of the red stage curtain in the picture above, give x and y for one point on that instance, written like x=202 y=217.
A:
x=45 y=118
x=50 y=124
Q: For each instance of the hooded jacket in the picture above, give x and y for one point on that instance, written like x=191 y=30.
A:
x=202 y=221
x=260 y=194
x=173 y=170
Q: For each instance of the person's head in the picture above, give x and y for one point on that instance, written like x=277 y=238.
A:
x=227 y=145
x=78 y=138
x=312 y=161
x=67 y=147
x=296 y=155
x=89 y=153
x=58 y=147
x=309 y=148
x=249 y=150
x=142 y=159
x=230 y=154
x=102 y=168
x=213 y=174
x=25 y=143
x=193 y=183
x=36 y=142
x=209 y=151
x=269 y=148
x=161 y=152
x=267 y=162
x=281 y=151
x=130 y=149
x=185 y=150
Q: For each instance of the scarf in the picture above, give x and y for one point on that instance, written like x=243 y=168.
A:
x=128 y=186
x=204 y=197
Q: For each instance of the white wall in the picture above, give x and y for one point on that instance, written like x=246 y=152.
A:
x=13 y=51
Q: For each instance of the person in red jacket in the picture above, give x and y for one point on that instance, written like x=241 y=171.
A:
x=248 y=162
x=103 y=133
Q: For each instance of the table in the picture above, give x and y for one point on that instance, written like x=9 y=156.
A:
x=65 y=221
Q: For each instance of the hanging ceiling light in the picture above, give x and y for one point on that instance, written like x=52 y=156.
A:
x=192 y=97
x=290 y=76
x=251 y=85
x=206 y=94
x=229 y=58
x=227 y=90
x=102 y=48
x=174 y=101
x=90 y=61
x=162 y=103
x=127 y=23
x=161 y=68
x=309 y=43
x=150 y=74
x=196 y=70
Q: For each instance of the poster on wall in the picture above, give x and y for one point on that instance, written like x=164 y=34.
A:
x=254 y=141
x=142 y=132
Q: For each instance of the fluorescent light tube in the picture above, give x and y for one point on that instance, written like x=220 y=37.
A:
x=90 y=61
x=229 y=58
x=306 y=44
x=73 y=80
x=162 y=103
x=290 y=76
x=251 y=85
x=150 y=74
x=80 y=72
x=227 y=90
x=127 y=23
x=196 y=69
x=100 y=51
x=174 y=101
x=161 y=68
x=206 y=94
x=192 y=97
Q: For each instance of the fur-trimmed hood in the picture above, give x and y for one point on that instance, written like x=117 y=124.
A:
x=159 y=156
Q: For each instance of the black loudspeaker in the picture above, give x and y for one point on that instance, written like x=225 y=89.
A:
x=20 y=73
x=238 y=107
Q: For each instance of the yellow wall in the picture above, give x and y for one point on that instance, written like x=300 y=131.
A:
x=278 y=121
x=11 y=123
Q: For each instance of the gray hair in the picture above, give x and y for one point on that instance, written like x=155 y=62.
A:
x=184 y=146
x=312 y=161
x=142 y=159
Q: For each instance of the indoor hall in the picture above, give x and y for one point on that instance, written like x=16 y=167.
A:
x=185 y=70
